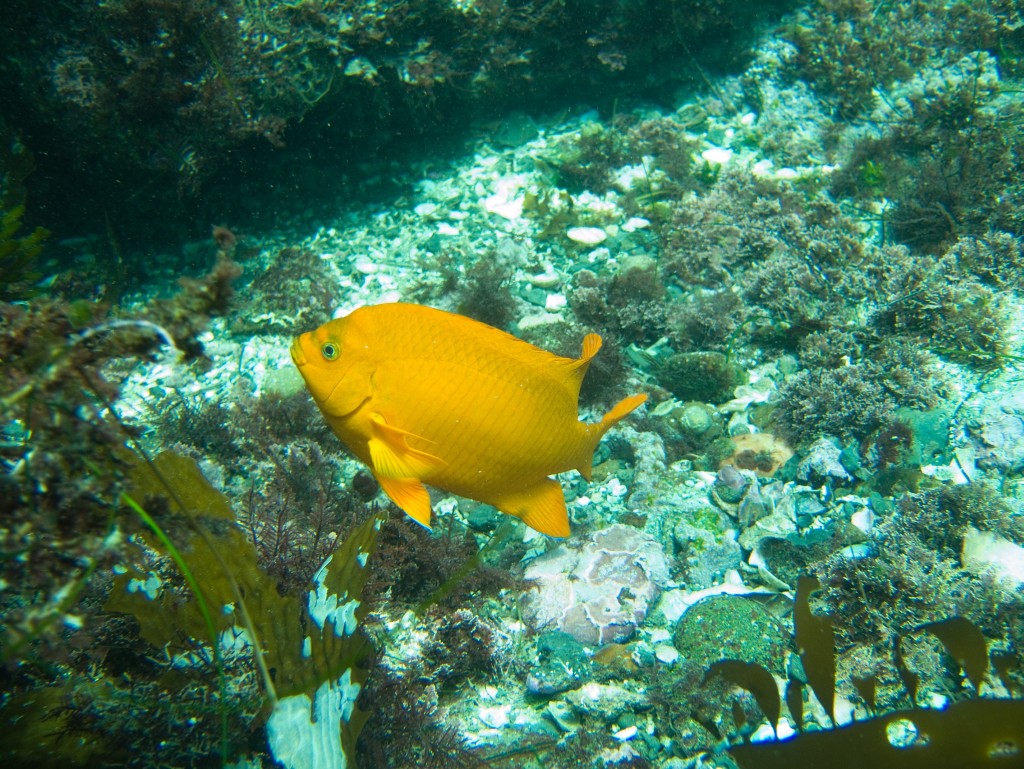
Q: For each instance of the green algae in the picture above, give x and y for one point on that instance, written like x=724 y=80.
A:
x=18 y=254
x=230 y=591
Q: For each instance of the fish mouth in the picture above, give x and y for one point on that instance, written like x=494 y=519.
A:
x=298 y=358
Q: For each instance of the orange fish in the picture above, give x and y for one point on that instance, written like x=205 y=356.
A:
x=425 y=396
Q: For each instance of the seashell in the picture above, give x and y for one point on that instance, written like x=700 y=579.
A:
x=588 y=236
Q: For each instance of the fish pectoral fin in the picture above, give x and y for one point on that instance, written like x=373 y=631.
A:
x=541 y=507
x=410 y=495
x=393 y=457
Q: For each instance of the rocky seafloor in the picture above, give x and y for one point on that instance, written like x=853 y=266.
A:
x=831 y=393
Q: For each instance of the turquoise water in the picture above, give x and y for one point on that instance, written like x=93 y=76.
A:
x=797 y=230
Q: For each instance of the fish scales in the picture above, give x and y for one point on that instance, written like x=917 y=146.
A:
x=425 y=396
x=490 y=425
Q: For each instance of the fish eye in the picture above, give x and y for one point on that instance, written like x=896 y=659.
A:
x=330 y=350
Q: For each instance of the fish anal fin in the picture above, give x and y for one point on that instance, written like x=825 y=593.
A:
x=392 y=457
x=541 y=507
x=410 y=495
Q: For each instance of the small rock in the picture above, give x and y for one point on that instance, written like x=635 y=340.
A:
x=731 y=627
x=606 y=701
x=994 y=556
x=625 y=734
x=538 y=297
x=365 y=265
x=717 y=155
x=821 y=463
x=598 y=591
x=776 y=525
x=563 y=664
x=563 y=714
x=588 y=236
x=283 y=382
x=1000 y=430
x=708 y=554
x=666 y=654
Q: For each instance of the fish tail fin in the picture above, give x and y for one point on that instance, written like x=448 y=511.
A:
x=596 y=431
x=620 y=410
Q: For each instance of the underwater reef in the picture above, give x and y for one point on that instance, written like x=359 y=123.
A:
x=188 y=98
x=797 y=231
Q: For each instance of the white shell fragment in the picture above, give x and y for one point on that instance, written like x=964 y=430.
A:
x=555 y=302
x=863 y=519
x=666 y=654
x=718 y=155
x=547 y=279
x=635 y=223
x=988 y=553
x=588 y=236
x=495 y=716
x=625 y=734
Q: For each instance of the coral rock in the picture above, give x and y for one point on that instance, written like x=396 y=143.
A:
x=598 y=591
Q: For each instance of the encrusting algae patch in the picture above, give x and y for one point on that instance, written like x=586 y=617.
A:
x=424 y=396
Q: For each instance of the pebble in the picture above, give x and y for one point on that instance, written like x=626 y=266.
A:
x=365 y=265
x=667 y=654
x=588 y=236
x=538 y=297
x=555 y=302
x=717 y=155
x=547 y=279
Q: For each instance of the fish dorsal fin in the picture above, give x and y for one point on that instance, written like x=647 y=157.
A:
x=576 y=368
x=410 y=495
x=541 y=507
x=391 y=456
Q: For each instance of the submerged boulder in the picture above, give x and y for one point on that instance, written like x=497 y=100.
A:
x=598 y=590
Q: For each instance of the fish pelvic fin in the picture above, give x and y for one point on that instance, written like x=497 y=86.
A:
x=410 y=495
x=596 y=431
x=541 y=507
x=391 y=456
